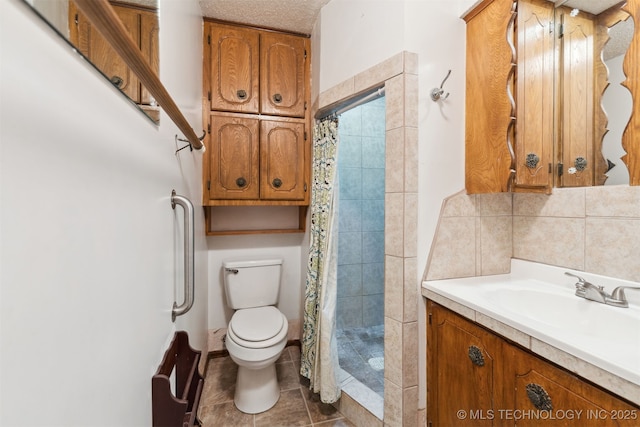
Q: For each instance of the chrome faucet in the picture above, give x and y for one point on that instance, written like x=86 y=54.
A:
x=592 y=292
x=618 y=298
x=589 y=291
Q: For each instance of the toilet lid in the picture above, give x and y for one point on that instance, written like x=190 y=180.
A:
x=257 y=324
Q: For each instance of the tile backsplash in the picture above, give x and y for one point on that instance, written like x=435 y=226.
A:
x=594 y=229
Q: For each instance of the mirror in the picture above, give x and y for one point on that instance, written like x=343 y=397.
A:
x=140 y=17
x=592 y=107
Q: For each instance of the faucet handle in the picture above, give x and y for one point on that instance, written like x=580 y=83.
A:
x=581 y=281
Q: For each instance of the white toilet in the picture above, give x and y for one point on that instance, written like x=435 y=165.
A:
x=257 y=332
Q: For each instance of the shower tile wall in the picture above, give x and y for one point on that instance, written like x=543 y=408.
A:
x=361 y=170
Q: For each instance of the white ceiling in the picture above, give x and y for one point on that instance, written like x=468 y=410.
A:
x=290 y=15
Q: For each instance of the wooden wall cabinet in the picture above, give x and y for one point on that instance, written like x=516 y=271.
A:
x=256 y=93
x=535 y=79
x=471 y=369
x=256 y=71
x=142 y=25
x=253 y=159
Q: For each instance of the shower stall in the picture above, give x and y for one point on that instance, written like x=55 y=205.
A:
x=360 y=275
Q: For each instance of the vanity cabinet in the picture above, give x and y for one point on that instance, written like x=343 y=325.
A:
x=142 y=25
x=462 y=370
x=256 y=90
x=477 y=378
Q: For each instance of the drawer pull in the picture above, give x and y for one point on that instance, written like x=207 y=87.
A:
x=277 y=98
x=277 y=183
x=241 y=182
x=242 y=94
x=475 y=354
x=539 y=397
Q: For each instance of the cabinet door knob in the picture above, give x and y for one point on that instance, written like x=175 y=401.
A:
x=242 y=94
x=475 y=354
x=277 y=98
x=277 y=182
x=241 y=182
x=117 y=81
x=539 y=397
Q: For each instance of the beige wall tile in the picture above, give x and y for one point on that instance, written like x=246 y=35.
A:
x=392 y=351
x=410 y=224
x=411 y=290
x=613 y=247
x=394 y=94
x=410 y=354
x=564 y=202
x=411 y=65
x=379 y=73
x=411 y=157
x=393 y=404
x=461 y=204
x=555 y=241
x=337 y=93
x=394 y=158
x=356 y=413
x=394 y=224
x=394 y=287
x=613 y=201
x=410 y=407
x=411 y=104
x=454 y=249
x=478 y=228
x=496 y=236
x=495 y=204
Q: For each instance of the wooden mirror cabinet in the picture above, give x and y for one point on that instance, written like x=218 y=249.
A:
x=534 y=85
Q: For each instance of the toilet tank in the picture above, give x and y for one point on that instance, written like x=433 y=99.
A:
x=251 y=282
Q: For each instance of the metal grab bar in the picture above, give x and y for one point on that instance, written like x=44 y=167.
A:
x=189 y=266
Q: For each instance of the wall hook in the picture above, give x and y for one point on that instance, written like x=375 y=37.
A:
x=439 y=93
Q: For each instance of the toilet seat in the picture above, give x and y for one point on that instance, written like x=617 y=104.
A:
x=258 y=327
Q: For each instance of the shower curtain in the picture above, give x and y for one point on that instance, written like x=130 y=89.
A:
x=319 y=355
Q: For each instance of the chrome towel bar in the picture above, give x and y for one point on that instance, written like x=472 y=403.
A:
x=189 y=266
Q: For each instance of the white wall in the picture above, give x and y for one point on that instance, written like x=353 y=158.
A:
x=91 y=248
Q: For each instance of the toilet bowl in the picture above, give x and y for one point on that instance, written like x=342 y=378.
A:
x=257 y=331
x=255 y=339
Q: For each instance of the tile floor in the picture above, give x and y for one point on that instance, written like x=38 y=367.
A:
x=296 y=407
x=361 y=354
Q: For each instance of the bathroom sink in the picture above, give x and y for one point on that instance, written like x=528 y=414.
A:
x=549 y=310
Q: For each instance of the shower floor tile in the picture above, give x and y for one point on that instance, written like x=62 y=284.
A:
x=361 y=354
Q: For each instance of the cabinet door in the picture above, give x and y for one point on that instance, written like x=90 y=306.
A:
x=488 y=110
x=234 y=157
x=282 y=160
x=462 y=371
x=149 y=31
x=235 y=61
x=534 y=123
x=282 y=74
x=577 y=104
x=92 y=45
x=537 y=389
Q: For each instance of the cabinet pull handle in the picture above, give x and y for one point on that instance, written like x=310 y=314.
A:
x=539 y=397
x=277 y=182
x=580 y=163
x=117 y=81
x=241 y=182
x=277 y=98
x=532 y=160
x=242 y=94
x=475 y=354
